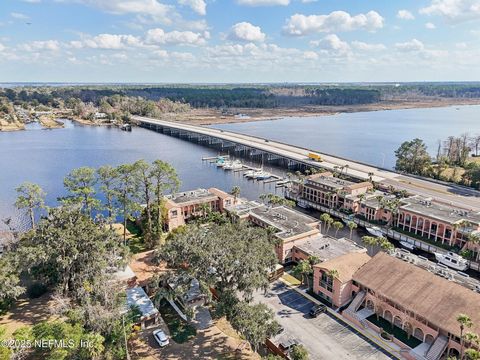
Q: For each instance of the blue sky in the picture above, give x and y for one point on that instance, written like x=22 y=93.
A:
x=221 y=41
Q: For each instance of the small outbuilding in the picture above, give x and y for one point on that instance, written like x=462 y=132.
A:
x=137 y=297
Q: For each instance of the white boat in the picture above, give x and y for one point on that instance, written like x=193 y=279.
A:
x=452 y=260
x=375 y=231
x=249 y=173
x=407 y=245
x=262 y=175
x=220 y=161
x=233 y=165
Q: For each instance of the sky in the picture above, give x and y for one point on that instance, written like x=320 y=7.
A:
x=239 y=41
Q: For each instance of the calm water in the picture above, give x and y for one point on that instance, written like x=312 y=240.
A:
x=370 y=137
x=46 y=156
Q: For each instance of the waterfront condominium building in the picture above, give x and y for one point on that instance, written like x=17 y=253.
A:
x=438 y=222
x=298 y=234
x=185 y=205
x=417 y=216
x=416 y=308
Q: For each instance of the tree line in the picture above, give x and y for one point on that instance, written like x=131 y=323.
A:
x=125 y=191
x=453 y=154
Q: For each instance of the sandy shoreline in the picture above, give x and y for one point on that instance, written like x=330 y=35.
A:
x=215 y=116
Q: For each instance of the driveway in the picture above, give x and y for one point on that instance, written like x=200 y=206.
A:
x=325 y=337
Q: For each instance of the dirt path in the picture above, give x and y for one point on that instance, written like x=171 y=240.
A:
x=209 y=344
x=27 y=312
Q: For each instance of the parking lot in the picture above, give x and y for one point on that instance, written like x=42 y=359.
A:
x=325 y=337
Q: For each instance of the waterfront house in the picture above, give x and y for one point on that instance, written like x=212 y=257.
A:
x=186 y=205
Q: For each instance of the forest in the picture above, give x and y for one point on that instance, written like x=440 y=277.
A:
x=245 y=96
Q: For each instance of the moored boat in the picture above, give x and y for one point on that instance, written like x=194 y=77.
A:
x=407 y=245
x=452 y=260
x=262 y=175
x=375 y=231
x=233 y=165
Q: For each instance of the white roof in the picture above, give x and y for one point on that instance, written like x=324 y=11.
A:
x=137 y=296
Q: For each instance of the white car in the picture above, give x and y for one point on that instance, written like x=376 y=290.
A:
x=161 y=337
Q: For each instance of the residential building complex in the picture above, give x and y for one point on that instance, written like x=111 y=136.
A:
x=417 y=306
x=417 y=216
x=298 y=234
x=185 y=205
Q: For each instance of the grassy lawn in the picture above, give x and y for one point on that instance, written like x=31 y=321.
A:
x=180 y=331
x=292 y=280
x=135 y=242
x=395 y=331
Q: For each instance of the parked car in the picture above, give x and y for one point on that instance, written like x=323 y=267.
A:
x=161 y=337
x=317 y=310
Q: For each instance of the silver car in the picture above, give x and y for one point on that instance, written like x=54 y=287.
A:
x=161 y=337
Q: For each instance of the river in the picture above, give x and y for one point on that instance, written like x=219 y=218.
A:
x=46 y=156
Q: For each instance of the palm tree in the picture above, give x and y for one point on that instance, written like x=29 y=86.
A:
x=338 y=226
x=236 y=193
x=386 y=245
x=465 y=322
x=370 y=241
x=333 y=274
x=324 y=218
x=471 y=339
x=304 y=269
x=204 y=209
x=352 y=226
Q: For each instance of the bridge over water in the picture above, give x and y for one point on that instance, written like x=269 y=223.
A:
x=296 y=158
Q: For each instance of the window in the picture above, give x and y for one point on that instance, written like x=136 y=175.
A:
x=174 y=214
x=326 y=282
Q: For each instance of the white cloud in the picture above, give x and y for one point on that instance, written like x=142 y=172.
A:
x=263 y=2
x=108 y=42
x=199 y=6
x=359 y=45
x=430 y=26
x=405 y=15
x=159 y=36
x=245 y=31
x=149 y=8
x=310 y=55
x=48 y=45
x=19 y=16
x=32 y=1
x=454 y=10
x=332 y=42
x=409 y=46
x=2 y=47
x=299 y=25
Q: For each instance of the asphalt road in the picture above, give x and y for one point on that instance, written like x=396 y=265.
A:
x=324 y=337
